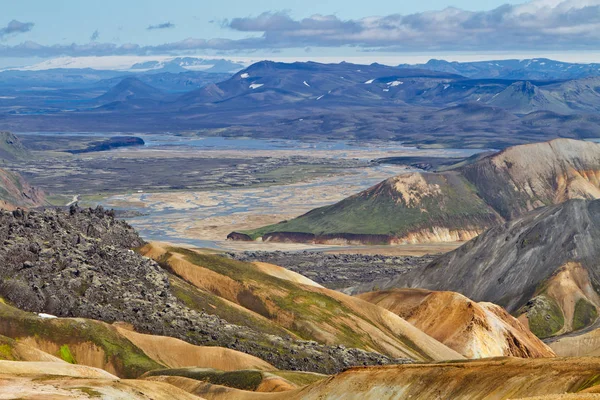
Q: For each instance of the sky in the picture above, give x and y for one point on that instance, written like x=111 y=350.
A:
x=297 y=29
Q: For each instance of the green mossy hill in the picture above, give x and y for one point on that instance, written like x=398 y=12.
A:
x=473 y=196
x=585 y=314
x=307 y=307
x=128 y=360
x=394 y=208
x=7 y=349
x=545 y=316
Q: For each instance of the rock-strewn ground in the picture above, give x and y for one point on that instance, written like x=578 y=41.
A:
x=338 y=271
x=79 y=264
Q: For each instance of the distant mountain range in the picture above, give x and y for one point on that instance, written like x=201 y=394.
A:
x=530 y=69
x=137 y=64
x=417 y=106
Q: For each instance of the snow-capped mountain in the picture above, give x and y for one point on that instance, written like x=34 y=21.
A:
x=140 y=64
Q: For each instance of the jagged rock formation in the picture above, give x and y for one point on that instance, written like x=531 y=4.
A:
x=542 y=266
x=79 y=264
x=456 y=205
x=476 y=330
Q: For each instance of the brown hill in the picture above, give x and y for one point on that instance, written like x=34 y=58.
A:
x=475 y=330
x=583 y=345
x=499 y=379
x=305 y=310
x=58 y=381
x=175 y=353
x=523 y=178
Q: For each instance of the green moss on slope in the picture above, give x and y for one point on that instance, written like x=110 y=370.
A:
x=545 y=317
x=129 y=360
x=200 y=300
x=65 y=354
x=381 y=210
x=585 y=314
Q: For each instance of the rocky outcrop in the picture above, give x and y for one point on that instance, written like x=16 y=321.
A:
x=240 y=237
x=80 y=264
x=450 y=206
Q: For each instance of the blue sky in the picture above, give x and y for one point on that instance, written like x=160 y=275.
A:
x=67 y=21
x=308 y=28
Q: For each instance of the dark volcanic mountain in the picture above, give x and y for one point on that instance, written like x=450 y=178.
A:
x=542 y=266
x=269 y=82
x=453 y=205
x=131 y=89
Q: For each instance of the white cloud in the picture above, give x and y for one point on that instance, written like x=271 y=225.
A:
x=539 y=25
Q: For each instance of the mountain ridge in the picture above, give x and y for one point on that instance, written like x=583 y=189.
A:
x=541 y=267
x=454 y=205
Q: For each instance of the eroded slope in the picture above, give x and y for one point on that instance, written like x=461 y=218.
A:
x=543 y=265
x=476 y=330
x=308 y=311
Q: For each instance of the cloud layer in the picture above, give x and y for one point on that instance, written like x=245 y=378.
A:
x=537 y=25
x=14 y=27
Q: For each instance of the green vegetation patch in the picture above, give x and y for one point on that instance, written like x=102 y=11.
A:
x=243 y=379
x=200 y=300
x=87 y=390
x=545 y=317
x=309 y=308
x=66 y=355
x=129 y=360
x=7 y=346
x=381 y=211
x=585 y=314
